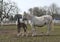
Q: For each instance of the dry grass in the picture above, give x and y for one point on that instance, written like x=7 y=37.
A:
x=8 y=34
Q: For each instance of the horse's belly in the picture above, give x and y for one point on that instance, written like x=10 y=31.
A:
x=39 y=23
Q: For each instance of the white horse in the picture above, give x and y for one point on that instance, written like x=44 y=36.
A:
x=40 y=21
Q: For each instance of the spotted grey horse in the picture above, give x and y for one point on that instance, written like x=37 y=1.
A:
x=40 y=21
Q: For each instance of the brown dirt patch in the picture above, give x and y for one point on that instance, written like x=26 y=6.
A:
x=8 y=31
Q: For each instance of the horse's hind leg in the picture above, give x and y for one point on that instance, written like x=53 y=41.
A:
x=25 y=30
x=18 y=29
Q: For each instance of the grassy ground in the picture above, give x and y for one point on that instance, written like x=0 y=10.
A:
x=8 y=34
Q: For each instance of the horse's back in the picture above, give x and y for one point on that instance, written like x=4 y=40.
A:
x=41 y=17
x=47 y=16
x=41 y=20
x=38 y=20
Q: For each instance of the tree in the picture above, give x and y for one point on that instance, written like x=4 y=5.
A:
x=17 y=16
x=1 y=9
x=25 y=16
x=36 y=11
x=31 y=11
x=10 y=8
x=11 y=18
x=53 y=8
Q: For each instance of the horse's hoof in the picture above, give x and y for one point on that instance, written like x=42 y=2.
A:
x=23 y=35
x=18 y=35
x=33 y=35
x=47 y=33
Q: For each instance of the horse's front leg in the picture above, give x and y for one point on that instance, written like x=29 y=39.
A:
x=33 y=30
x=49 y=29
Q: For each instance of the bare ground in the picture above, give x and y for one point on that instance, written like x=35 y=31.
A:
x=8 y=31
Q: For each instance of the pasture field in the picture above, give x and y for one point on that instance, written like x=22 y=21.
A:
x=8 y=34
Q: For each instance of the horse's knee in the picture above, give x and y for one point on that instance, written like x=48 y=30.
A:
x=24 y=29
